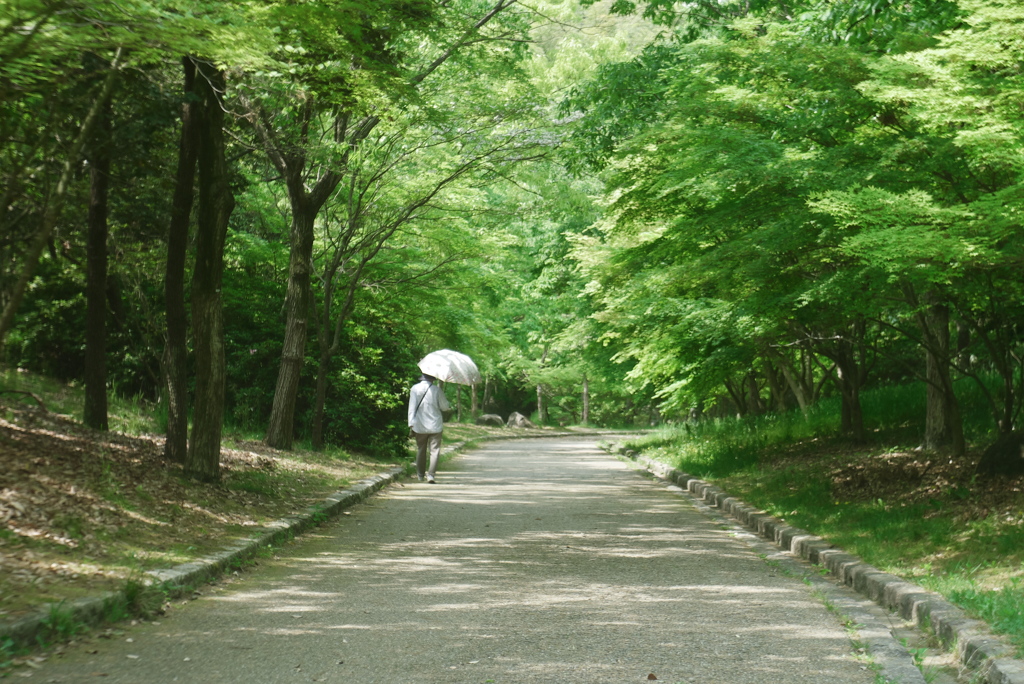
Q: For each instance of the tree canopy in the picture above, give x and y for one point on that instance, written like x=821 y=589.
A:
x=626 y=212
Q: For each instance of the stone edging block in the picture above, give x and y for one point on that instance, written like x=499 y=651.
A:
x=972 y=642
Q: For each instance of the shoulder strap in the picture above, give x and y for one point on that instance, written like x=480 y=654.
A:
x=422 y=397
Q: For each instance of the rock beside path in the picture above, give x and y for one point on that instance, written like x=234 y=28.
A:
x=518 y=420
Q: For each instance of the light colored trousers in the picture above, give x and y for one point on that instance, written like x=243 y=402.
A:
x=427 y=441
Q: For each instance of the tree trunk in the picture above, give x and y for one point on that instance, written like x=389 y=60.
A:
x=1005 y=457
x=849 y=377
x=215 y=205
x=738 y=398
x=541 y=420
x=328 y=347
x=795 y=380
x=95 y=409
x=474 y=407
x=943 y=423
x=756 y=405
x=776 y=391
x=458 y=403
x=586 y=400
x=963 y=341
x=320 y=399
x=488 y=403
x=175 y=370
x=281 y=431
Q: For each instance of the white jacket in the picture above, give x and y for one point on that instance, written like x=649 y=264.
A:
x=425 y=411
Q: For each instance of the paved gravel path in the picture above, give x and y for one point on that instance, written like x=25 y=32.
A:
x=529 y=561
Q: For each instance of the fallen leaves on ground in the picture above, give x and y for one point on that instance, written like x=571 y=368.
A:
x=918 y=477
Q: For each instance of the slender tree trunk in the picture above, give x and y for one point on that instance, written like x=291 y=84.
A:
x=330 y=341
x=281 y=431
x=488 y=394
x=320 y=398
x=852 y=420
x=458 y=403
x=796 y=385
x=474 y=407
x=328 y=347
x=215 y=205
x=541 y=413
x=56 y=201
x=756 y=405
x=738 y=398
x=943 y=422
x=776 y=391
x=963 y=341
x=175 y=357
x=586 y=400
x=95 y=409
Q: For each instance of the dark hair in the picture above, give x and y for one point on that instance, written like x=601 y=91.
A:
x=428 y=378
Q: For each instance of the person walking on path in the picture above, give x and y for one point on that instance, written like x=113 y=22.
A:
x=426 y=402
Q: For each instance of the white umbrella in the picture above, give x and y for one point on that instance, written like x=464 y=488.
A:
x=450 y=366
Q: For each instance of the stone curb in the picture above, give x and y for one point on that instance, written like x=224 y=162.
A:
x=890 y=659
x=973 y=644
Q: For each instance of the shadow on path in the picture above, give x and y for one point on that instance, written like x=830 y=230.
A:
x=530 y=561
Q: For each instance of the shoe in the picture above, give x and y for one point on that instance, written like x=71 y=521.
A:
x=430 y=479
x=420 y=478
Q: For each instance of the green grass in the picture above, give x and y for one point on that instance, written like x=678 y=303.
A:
x=257 y=482
x=57 y=397
x=1003 y=608
x=7 y=652
x=128 y=415
x=60 y=625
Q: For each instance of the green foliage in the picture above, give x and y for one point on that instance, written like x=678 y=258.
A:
x=778 y=187
x=49 y=337
x=253 y=326
x=620 y=101
x=774 y=185
x=60 y=624
x=885 y=25
x=52 y=315
x=366 y=400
